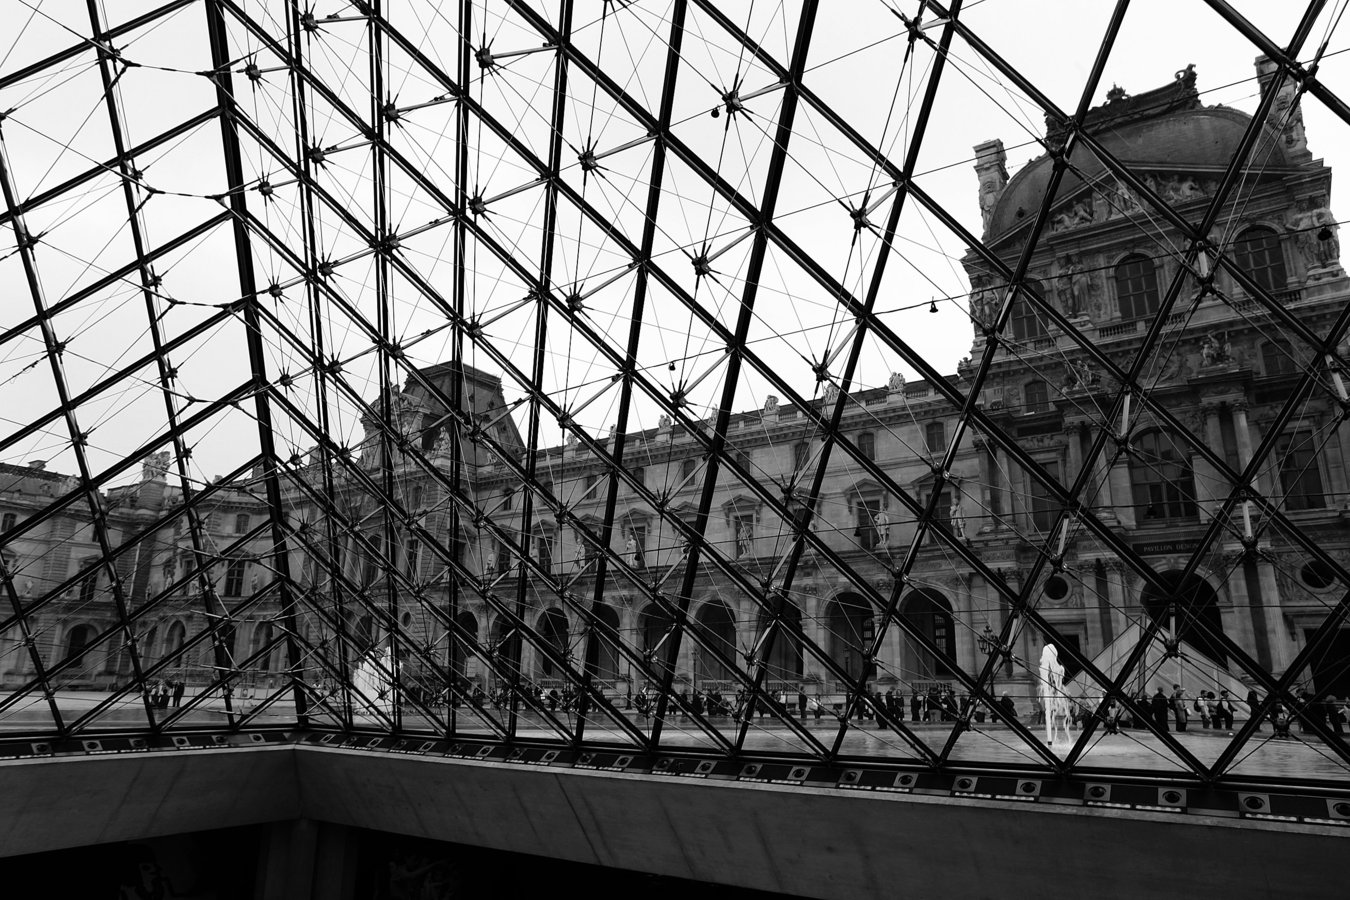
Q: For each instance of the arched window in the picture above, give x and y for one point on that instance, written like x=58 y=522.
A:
x=553 y=629
x=1277 y=357
x=867 y=445
x=928 y=613
x=851 y=630
x=1162 y=480
x=1038 y=396
x=717 y=628
x=784 y=662
x=1257 y=253
x=1028 y=323
x=1137 y=287
x=607 y=640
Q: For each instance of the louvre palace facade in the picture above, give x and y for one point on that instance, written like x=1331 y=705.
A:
x=540 y=563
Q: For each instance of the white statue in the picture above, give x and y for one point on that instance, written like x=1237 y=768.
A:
x=1053 y=699
x=882 y=523
x=632 y=552
x=372 y=683
x=956 y=517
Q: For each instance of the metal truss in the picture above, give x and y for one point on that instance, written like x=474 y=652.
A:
x=547 y=352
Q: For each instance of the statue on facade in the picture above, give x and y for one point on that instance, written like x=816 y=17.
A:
x=663 y=422
x=1075 y=287
x=831 y=393
x=155 y=465
x=744 y=536
x=882 y=523
x=633 y=553
x=957 y=517
x=983 y=299
x=771 y=404
x=1216 y=349
x=896 y=383
x=1077 y=213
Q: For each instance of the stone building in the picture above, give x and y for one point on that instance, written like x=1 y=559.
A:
x=1224 y=366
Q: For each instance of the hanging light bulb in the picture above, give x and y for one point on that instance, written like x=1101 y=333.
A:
x=932 y=305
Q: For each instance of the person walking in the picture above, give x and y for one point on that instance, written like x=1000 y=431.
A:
x=179 y=688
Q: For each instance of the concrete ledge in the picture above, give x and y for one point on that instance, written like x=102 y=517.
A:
x=822 y=842
x=55 y=802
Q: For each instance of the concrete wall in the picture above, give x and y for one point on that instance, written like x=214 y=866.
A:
x=821 y=842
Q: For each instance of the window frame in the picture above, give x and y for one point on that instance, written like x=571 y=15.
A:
x=1142 y=302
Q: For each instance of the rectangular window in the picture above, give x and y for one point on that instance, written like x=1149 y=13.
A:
x=1300 y=479
x=867 y=445
x=639 y=475
x=89 y=586
x=935 y=437
x=234 y=578
x=1044 y=507
x=241 y=523
x=801 y=453
x=687 y=467
x=503 y=557
x=543 y=550
x=412 y=557
x=9 y=522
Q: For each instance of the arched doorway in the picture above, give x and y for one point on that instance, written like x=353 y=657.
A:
x=717 y=627
x=505 y=647
x=552 y=627
x=653 y=625
x=607 y=643
x=1189 y=607
x=174 y=640
x=848 y=618
x=467 y=630
x=928 y=613
x=784 y=661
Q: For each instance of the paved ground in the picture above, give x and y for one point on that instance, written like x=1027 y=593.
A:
x=1299 y=756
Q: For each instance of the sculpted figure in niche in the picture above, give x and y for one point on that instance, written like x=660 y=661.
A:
x=1075 y=287
x=956 y=517
x=983 y=299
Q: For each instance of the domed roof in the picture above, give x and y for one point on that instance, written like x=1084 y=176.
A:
x=1202 y=139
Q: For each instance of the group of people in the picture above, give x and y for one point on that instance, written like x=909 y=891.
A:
x=161 y=692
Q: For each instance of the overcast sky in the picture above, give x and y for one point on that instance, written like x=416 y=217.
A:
x=57 y=127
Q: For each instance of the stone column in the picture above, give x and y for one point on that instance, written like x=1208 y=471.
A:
x=1282 y=647
x=1243 y=432
x=1209 y=494
x=1235 y=607
x=1073 y=440
x=1121 y=494
x=967 y=624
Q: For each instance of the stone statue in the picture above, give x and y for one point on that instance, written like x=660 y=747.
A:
x=957 y=517
x=1215 y=349
x=744 y=535
x=631 y=552
x=1077 y=213
x=983 y=299
x=155 y=465
x=663 y=422
x=371 y=683
x=771 y=404
x=1075 y=287
x=831 y=393
x=896 y=382
x=1053 y=699
x=882 y=523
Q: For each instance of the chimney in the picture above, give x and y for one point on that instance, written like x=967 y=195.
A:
x=991 y=166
